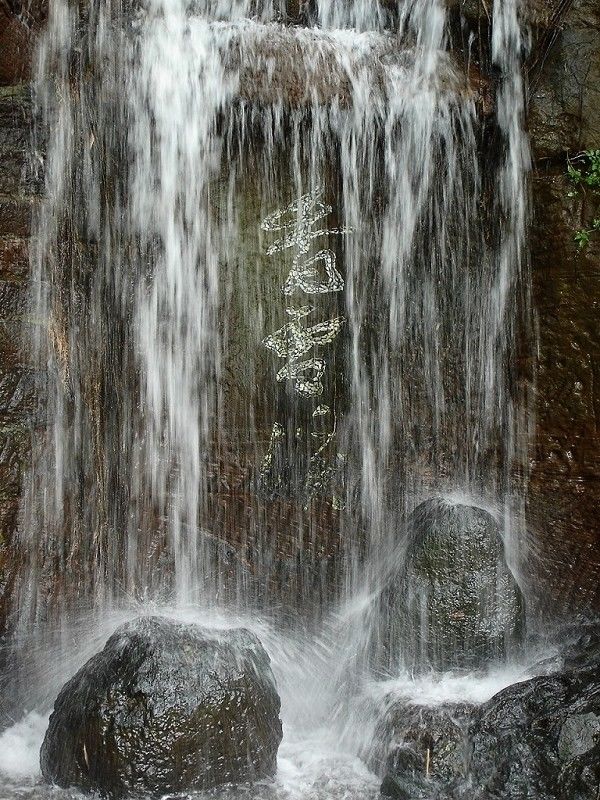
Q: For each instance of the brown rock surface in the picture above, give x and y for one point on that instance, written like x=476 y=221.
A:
x=564 y=496
x=565 y=482
x=15 y=46
x=16 y=377
x=564 y=102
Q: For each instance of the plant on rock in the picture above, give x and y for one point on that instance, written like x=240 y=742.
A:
x=583 y=171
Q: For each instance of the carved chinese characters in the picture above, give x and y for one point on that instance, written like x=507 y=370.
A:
x=301 y=340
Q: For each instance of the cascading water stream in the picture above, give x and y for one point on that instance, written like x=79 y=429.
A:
x=279 y=310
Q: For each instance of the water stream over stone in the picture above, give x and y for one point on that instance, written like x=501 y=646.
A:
x=282 y=286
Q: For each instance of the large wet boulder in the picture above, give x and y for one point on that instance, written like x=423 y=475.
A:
x=452 y=601
x=164 y=708
x=538 y=739
x=541 y=738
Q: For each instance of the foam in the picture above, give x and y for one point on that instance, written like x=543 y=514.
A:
x=20 y=747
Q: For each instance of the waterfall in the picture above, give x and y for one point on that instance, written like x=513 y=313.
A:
x=282 y=291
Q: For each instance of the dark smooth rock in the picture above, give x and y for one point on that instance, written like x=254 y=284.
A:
x=453 y=601
x=166 y=707
x=535 y=740
x=422 y=742
x=403 y=787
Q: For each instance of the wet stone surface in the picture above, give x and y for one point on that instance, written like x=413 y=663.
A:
x=537 y=739
x=453 y=602
x=166 y=707
x=421 y=742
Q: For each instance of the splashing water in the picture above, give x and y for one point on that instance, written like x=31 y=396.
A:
x=318 y=755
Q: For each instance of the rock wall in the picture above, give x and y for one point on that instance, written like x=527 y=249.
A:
x=564 y=117
x=17 y=196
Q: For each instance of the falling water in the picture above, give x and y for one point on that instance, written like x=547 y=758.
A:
x=281 y=287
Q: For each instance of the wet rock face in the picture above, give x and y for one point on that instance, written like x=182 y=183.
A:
x=20 y=21
x=564 y=103
x=15 y=46
x=564 y=489
x=19 y=381
x=564 y=486
x=166 y=707
x=538 y=739
x=541 y=738
x=454 y=602
x=418 y=745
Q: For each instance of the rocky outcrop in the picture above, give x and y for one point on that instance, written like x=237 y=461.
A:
x=541 y=738
x=538 y=739
x=306 y=66
x=166 y=707
x=453 y=601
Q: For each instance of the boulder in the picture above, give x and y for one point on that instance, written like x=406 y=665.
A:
x=405 y=787
x=420 y=749
x=538 y=739
x=165 y=708
x=541 y=738
x=452 y=602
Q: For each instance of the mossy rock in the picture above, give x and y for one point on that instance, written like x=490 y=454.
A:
x=453 y=602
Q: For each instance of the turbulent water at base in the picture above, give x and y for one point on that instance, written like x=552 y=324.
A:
x=280 y=303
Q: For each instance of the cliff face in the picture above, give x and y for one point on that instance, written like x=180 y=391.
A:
x=564 y=117
x=17 y=195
